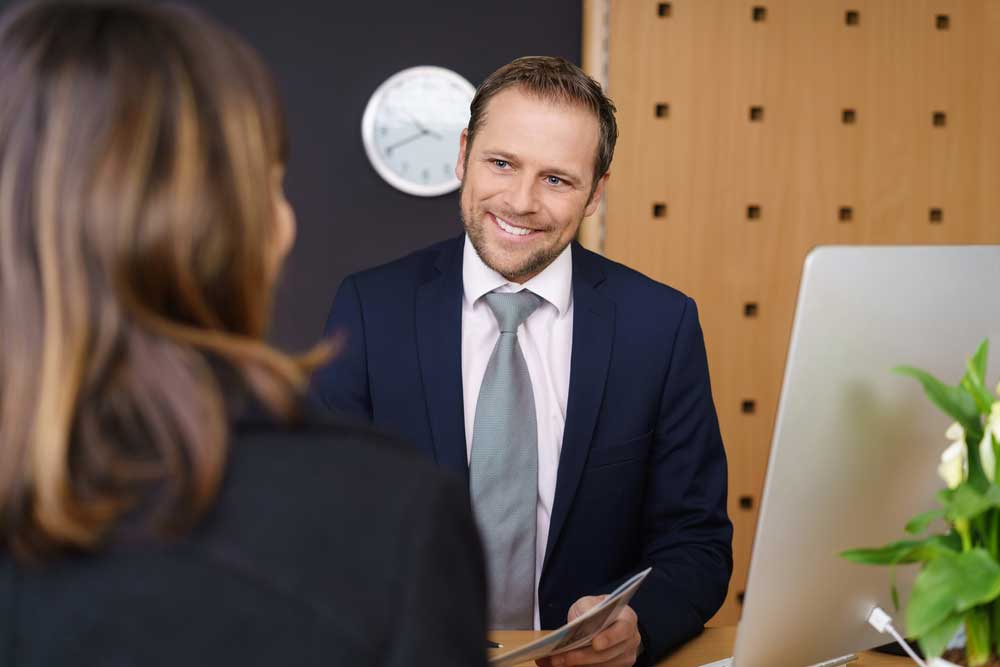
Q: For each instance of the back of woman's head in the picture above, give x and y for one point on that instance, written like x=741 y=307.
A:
x=138 y=148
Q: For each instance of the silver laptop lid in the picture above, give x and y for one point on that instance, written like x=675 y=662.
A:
x=856 y=446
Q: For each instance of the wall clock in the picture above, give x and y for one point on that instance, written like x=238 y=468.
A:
x=411 y=129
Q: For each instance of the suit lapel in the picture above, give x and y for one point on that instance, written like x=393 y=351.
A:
x=593 y=335
x=439 y=345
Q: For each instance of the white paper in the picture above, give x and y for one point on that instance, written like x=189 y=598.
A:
x=578 y=632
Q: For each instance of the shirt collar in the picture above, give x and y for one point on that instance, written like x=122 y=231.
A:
x=554 y=283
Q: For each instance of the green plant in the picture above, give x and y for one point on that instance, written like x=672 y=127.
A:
x=959 y=579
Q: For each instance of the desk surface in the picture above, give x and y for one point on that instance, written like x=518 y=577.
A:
x=713 y=644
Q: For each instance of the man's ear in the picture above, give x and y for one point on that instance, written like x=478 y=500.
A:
x=460 y=162
x=597 y=195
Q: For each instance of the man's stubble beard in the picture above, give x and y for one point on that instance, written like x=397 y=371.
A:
x=531 y=266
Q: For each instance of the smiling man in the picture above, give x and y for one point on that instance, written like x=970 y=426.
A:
x=571 y=392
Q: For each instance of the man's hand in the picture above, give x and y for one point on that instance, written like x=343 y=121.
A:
x=616 y=646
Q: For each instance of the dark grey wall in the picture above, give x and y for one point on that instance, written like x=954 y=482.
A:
x=328 y=58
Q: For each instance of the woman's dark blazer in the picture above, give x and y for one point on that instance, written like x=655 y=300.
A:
x=329 y=545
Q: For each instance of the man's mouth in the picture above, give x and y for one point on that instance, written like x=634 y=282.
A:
x=512 y=229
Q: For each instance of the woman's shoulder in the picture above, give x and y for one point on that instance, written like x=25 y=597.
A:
x=319 y=443
x=318 y=505
x=334 y=469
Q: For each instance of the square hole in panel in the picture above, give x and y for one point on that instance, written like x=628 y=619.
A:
x=939 y=119
x=750 y=309
x=845 y=214
x=849 y=116
x=753 y=212
x=852 y=17
x=756 y=114
x=748 y=407
x=942 y=21
x=746 y=502
x=936 y=216
x=659 y=210
x=663 y=9
x=662 y=110
x=759 y=13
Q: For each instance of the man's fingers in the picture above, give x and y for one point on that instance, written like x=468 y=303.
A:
x=615 y=646
x=625 y=627
x=583 y=605
x=614 y=634
x=620 y=654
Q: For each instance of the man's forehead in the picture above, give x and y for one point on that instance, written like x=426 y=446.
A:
x=554 y=101
x=516 y=120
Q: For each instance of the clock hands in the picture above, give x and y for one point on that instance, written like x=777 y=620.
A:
x=402 y=142
x=420 y=126
x=423 y=131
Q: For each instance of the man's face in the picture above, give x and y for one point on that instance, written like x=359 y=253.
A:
x=527 y=183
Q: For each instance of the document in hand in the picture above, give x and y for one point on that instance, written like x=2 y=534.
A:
x=578 y=632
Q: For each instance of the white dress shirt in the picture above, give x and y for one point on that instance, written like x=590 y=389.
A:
x=546 y=340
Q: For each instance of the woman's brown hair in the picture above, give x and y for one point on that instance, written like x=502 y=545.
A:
x=137 y=150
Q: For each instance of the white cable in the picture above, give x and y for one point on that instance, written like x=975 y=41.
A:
x=882 y=622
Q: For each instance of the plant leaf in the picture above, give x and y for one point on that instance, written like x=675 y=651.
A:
x=906 y=551
x=935 y=640
x=919 y=523
x=974 y=381
x=953 y=401
x=949 y=584
x=968 y=503
x=978 y=361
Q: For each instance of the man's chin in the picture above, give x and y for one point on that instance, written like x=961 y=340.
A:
x=517 y=271
x=517 y=268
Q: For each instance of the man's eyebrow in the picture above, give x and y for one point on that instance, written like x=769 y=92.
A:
x=504 y=155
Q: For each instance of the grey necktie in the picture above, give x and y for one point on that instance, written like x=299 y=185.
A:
x=503 y=472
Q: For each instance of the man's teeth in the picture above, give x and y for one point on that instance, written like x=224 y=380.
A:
x=511 y=229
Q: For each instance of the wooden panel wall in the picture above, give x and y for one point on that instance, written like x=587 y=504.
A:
x=754 y=131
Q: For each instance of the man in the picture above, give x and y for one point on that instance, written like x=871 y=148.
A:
x=570 y=391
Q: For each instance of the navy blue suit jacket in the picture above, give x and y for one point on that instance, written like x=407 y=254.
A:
x=642 y=472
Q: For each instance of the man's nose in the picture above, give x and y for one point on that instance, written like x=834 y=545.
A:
x=522 y=196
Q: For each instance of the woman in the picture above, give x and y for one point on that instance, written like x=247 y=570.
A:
x=165 y=499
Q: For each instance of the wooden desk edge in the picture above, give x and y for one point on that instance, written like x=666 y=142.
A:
x=711 y=645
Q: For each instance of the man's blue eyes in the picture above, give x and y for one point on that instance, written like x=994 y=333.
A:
x=551 y=180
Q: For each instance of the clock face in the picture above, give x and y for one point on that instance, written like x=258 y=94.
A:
x=411 y=129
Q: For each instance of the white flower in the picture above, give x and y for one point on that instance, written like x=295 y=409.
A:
x=987 y=457
x=955 y=433
x=954 y=466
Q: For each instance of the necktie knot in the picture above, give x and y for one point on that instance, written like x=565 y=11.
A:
x=512 y=308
